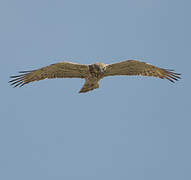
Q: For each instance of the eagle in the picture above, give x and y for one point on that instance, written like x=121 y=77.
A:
x=92 y=73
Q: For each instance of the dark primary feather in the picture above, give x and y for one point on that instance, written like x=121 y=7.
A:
x=171 y=76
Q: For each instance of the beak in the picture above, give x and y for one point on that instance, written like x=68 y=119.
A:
x=102 y=70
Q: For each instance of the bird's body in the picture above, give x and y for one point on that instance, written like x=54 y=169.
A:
x=92 y=73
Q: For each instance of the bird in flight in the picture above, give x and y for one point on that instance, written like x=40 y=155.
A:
x=93 y=73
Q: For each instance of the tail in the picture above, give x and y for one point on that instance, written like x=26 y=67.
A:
x=89 y=85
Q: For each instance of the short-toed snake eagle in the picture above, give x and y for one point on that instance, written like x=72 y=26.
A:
x=92 y=73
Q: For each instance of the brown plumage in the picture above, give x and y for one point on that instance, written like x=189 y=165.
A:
x=92 y=73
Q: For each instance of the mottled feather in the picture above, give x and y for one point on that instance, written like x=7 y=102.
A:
x=134 y=67
x=58 y=70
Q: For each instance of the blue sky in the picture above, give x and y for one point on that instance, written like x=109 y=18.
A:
x=131 y=127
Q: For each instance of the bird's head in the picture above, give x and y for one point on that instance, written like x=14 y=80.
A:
x=99 y=68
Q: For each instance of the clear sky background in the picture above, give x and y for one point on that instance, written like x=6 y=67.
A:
x=133 y=128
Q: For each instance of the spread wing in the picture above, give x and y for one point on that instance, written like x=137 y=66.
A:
x=58 y=70
x=134 y=67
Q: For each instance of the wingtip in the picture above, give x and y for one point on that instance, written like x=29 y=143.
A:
x=172 y=76
x=25 y=71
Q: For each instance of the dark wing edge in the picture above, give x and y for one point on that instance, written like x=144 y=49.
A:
x=170 y=75
x=58 y=70
x=20 y=80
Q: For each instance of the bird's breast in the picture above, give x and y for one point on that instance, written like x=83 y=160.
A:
x=95 y=71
